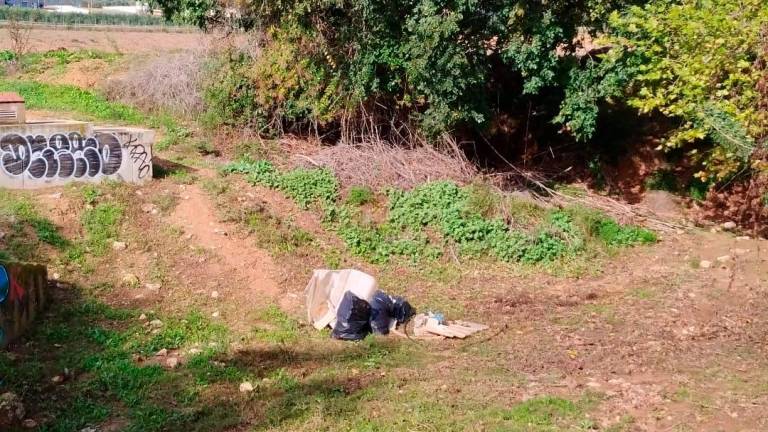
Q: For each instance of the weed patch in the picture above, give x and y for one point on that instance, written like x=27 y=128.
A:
x=359 y=195
x=421 y=222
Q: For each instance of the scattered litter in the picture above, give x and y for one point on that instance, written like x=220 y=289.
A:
x=350 y=302
x=352 y=318
x=434 y=325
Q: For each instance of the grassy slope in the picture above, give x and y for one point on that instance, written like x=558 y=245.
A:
x=303 y=380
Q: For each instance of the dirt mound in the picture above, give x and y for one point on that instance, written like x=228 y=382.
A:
x=85 y=74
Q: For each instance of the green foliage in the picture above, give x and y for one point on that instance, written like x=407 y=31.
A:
x=189 y=12
x=305 y=186
x=696 y=66
x=308 y=186
x=360 y=195
x=613 y=234
x=423 y=221
x=425 y=61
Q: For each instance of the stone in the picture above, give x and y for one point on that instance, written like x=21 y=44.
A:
x=724 y=258
x=162 y=353
x=147 y=207
x=195 y=351
x=153 y=286
x=130 y=279
x=55 y=276
x=29 y=424
x=56 y=195
x=730 y=225
x=215 y=314
x=143 y=317
x=11 y=410
x=705 y=264
x=2 y=235
x=743 y=238
x=90 y=428
x=246 y=387
x=58 y=379
x=155 y=323
x=220 y=231
x=215 y=294
x=119 y=246
x=172 y=362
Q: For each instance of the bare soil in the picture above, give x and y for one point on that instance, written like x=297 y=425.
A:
x=666 y=343
x=110 y=41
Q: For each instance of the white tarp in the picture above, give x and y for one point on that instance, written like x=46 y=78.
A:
x=326 y=289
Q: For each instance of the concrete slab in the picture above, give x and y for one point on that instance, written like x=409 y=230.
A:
x=40 y=154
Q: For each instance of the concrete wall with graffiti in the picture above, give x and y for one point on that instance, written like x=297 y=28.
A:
x=43 y=154
x=23 y=295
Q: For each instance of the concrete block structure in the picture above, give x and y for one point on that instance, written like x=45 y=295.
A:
x=23 y=296
x=39 y=154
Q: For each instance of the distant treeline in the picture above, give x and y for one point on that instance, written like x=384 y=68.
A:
x=42 y=16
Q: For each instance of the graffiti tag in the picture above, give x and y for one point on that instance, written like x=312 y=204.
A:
x=60 y=155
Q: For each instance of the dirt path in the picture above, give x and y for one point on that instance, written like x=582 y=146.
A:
x=248 y=270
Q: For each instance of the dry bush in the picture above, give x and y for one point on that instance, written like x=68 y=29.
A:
x=171 y=83
x=377 y=164
x=18 y=34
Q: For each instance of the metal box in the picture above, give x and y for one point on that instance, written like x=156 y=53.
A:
x=12 y=109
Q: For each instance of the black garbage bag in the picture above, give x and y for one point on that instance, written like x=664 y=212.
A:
x=352 y=318
x=381 y=312
x=402 y=311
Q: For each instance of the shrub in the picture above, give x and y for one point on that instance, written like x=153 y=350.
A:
x=171 y=83
x=697 y=63
x=428 y=62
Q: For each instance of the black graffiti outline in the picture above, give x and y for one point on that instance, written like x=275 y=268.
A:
x=60 y=155
x=139 y=155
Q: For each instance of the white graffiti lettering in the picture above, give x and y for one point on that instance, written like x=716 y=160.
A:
x=60 y=155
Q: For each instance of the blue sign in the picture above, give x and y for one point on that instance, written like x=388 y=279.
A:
x=5 y=284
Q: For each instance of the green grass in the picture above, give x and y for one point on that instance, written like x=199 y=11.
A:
x=26 y=230
x=101 y=224
x=66 y=98
x=278 y=327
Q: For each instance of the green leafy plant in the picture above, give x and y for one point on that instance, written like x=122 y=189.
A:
x=359 y=195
